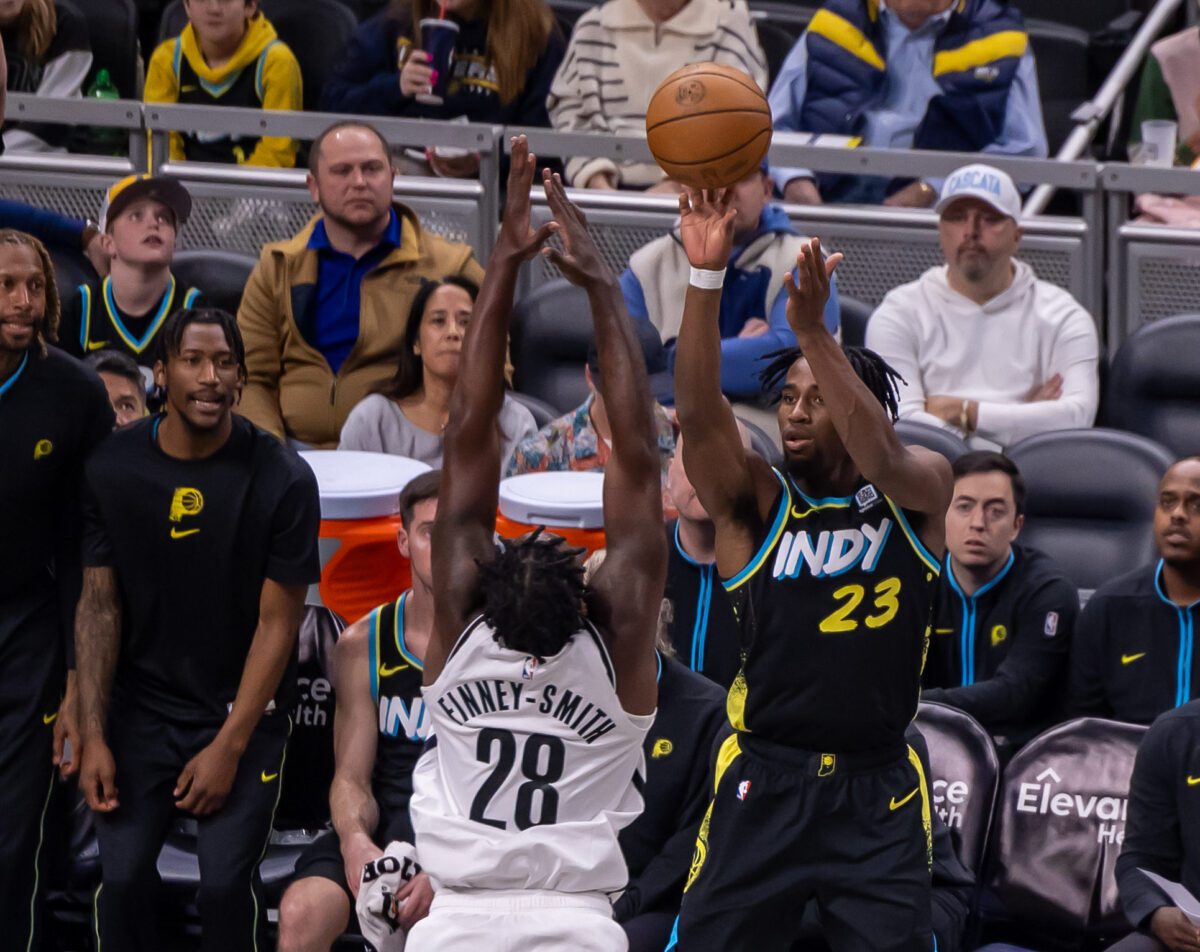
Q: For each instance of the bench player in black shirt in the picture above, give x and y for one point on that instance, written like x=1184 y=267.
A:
x=379 y=730
x=832 y=563
x=53 y=412
x=200 y=539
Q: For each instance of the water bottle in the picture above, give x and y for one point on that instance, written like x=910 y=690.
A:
x=105 y=140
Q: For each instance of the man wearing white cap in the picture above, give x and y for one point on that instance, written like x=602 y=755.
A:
x=986 y=348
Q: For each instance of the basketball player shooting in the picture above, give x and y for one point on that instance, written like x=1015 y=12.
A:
x=541 y=690
x=831 y=563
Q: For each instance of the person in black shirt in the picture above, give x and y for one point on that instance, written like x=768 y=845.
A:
x=200 y=539
x=1162 y=833
x=53 y=413
x=831 y=562
x=380 y=728
x=1132 y=656
x=1004 y=613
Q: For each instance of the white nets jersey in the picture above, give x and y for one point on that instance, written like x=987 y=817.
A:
x=532 y=770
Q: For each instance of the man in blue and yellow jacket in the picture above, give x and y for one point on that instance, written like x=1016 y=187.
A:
x=948 y=75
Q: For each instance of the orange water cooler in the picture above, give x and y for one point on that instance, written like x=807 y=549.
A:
x=568 y=504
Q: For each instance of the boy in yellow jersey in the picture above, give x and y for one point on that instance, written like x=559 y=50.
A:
x=227 y=55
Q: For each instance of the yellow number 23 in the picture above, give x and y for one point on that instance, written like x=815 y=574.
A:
x=886 y=605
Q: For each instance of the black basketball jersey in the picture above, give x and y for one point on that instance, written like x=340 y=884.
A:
x=403 y=722
x=834 y=609
x=243 y=88
x=92 y=321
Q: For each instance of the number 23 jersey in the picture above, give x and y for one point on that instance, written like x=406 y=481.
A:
x=532 y=770
x=834 y=611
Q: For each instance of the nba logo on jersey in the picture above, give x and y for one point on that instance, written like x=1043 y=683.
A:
x=866 y=497
x=530 y=668
x=743 y=789
x=1050 y=628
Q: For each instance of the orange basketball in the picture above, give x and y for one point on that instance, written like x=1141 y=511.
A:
x=708 y=126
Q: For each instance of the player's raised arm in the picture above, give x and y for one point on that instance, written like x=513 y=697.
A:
x=627 y=590
x=471 y=454
x=915 y=478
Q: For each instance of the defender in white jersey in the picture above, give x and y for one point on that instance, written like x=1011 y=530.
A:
x=541 y=689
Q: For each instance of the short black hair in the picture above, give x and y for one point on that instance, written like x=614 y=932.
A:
x=987 y=461
x=533 y=593
x=119 y=364
x=426 y=486
x=171 y=336
x=314 y=150
x=879 y=376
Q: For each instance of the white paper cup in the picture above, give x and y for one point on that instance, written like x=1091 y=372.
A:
x=1158 y=142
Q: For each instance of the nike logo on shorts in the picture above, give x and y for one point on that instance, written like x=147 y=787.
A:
x=1131 y=658
x=267 y=778
x=897 y=804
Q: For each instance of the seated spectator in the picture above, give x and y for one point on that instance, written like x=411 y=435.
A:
x=985 y=348
x=406 y=416
x=58 y=232
x=753 y=300
x=1170 y=89
x=1004 y=613
x=139 y=224
x=124 y=382
x=227 y=55
x=951 y=75
x=582 y=440
x=320 y=310
x=504 y=61
x=1132 y=655
x=619 y=54
x=49 y=53
x=1162 y=834
x=701 y=627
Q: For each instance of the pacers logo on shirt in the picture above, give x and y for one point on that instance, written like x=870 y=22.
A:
x=186 y=502
x=42 y=449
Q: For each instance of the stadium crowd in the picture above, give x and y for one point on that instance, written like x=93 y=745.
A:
x=118 y=693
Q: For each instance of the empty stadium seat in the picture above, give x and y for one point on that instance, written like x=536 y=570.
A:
x=1154 y=384
x=1091 y=499
x=916 y=433
x=853 y=317
x=1059 y=824
x=113 y=30
x=220 y=275
x=966 y=776
x=1061 y=53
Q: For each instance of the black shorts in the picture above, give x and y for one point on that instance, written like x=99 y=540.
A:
x=851 y=831
x=323 y=856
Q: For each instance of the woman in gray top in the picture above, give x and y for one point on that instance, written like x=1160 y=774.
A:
x=406 y=417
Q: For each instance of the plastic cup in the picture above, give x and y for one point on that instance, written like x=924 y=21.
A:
x=437 y=40
x=1158 y=141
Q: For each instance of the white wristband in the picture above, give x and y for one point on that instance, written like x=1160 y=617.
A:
x=707 y=280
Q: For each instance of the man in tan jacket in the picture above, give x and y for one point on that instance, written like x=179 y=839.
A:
x=324 y=313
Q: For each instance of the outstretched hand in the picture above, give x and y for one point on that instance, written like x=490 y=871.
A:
x=706 y=226
x=516 y=235
x=808 y=287
x=580 y=261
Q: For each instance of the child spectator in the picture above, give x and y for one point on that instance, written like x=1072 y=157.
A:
x=49 y=53
x=227 y=55
x=504 y=61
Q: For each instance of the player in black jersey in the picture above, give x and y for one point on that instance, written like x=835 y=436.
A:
x=831 y=562
x=53 y=413
x=200 y=539
x=379 y=730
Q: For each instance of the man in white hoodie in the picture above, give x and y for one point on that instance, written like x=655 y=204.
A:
x=986 y=348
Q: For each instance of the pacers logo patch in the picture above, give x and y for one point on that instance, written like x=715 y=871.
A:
x=662 y=748
x=999 y=635
x=185 y=502
x=42 y=449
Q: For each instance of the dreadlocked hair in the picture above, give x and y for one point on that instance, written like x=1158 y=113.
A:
x=533 y=594
x=879 y=376
x=48 y=331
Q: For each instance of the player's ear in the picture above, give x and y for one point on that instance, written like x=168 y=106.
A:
x=160 y=374
x=1018 y=525
x=402 y=542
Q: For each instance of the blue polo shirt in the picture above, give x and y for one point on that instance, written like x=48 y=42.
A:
x=339 y=282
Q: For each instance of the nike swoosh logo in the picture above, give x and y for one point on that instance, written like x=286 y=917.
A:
x=267 y=778
x=188 y=89
x=97 y=344
x=897 y=804
x=943 y=631
x=183 y=533
x=51 y=718
x=1192 y=781
x=386 y=672
x=1131 y=658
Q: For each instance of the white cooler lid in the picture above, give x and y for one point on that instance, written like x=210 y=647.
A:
x=357 y=485
x=568 y=500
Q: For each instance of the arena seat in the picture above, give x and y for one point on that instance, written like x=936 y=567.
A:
x=1091 y=499
x=916 y=433
x=1089 y=15
x=220 y=275
x=853 y=317
x=966 y=776
x=71 y=269
x=1061 y=52
x=113 y=30
x=1154 y=384
x=1060 y=821
x=542 y=412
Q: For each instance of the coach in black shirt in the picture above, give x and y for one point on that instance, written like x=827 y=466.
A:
x=200 y=539
x=1003 y=614
x=1132 y=657
x=53 y=412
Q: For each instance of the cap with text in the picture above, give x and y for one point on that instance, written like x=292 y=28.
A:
x=162 y=188
x=985 y=183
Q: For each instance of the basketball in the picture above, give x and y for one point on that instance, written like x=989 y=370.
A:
x=708 y=126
